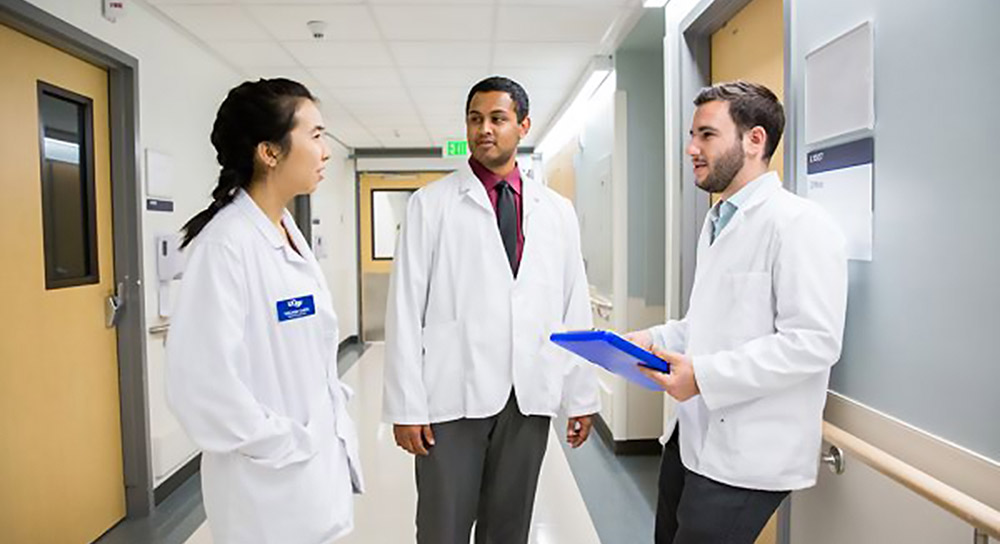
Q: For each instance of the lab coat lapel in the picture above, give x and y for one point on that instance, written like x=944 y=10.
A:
x=530 y=196
x=473 y=189
x=256 y=217
x=304 y=254
x=769 y=183
x=269 y=231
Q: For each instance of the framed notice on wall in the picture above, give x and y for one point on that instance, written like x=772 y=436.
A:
x=840 y=88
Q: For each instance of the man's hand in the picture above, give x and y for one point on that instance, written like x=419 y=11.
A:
x=680 y=383
x=578 y=429
x=643 y=339
x=415 y=439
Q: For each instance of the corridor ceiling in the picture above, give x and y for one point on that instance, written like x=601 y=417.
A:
x=395 y=73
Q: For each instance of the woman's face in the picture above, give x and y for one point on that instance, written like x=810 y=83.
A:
x=301 y=168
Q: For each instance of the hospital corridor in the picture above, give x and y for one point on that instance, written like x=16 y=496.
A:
x=499 y=272
x=386 y=510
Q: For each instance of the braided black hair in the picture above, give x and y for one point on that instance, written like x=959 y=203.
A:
x=253 y=112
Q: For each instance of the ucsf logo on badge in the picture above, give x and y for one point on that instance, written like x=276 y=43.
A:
x=295 y=308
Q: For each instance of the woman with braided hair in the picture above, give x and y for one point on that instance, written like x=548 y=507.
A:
x=251 y=356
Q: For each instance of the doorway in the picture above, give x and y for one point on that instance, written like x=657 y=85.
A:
x=61 y=459
x=383 y=199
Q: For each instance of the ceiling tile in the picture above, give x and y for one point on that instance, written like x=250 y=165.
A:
x=432 y=2
x=435 y=22
x=289 y=22
x=169 y=2
x=358 y=139
x=337 y=54
x=442 y=55
x=452 y=97
x=376 y=100
x=534 y=3
x=560 y=77
x=216 y=23
x=263 y=53
x=409 y=119
x=402 y=137
x=543 y=55
x=297 y=2
x=294 y=74
x=463 y=78
x=348 y=77
x=580 y=24
x=291 y=72
x=447 y=131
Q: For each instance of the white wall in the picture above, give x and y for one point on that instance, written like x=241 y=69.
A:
x=334 y=207
x=593 y=166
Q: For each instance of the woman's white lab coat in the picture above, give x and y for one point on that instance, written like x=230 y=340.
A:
x=252 y=377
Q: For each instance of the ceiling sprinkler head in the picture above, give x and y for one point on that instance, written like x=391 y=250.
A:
x=317 y=29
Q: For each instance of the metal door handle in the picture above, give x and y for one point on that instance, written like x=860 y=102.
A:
x=113 y=308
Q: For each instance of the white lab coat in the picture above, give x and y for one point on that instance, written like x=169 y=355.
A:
x=261 y=397
x=764 y=326
x=461 y=331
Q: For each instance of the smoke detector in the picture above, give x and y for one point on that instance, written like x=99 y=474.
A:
x=317 y=29
x=113 y=10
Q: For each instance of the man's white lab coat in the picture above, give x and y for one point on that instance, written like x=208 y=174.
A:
x=461 y=331
x=764 y=326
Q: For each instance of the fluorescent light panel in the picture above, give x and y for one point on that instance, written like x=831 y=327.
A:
x=570 y=122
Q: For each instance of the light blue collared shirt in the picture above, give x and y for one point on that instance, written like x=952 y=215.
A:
x=724 y=210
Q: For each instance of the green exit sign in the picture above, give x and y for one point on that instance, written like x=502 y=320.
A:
x=456 y=148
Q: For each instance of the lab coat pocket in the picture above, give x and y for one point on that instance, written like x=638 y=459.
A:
x=301 y=501
x=347 y=431
x=759 y=440
x=347 y=391
x=752 y=314
x=555 y=363
x=444 y=369
x=557 y=360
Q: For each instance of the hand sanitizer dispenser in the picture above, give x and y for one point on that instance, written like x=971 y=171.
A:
x=169 y=266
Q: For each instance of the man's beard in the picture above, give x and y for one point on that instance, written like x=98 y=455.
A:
x=724 y=170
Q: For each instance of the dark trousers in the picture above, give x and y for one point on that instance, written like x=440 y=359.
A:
x=483 y=471
x=693 y=509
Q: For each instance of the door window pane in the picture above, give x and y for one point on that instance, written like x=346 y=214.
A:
x=67 y=175
x=388 y=213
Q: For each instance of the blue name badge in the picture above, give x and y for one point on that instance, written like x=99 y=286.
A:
x=295 y=308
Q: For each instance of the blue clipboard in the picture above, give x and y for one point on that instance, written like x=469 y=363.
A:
x=608 y=350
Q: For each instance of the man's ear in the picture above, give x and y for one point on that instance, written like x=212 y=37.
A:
x=525 y=126
x=755 y=140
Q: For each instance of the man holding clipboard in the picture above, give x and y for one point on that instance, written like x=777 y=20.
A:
x=750 y=362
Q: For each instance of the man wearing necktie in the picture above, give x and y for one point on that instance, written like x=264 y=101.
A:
x=487 y=266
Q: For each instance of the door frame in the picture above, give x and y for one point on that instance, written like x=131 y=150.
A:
x=365 y=197
x=687 y=69
x=126 y=198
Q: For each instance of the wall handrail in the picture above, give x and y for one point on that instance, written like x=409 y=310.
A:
x=975 y=513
